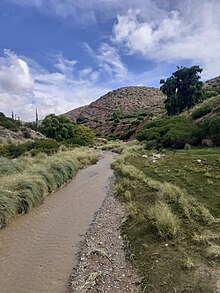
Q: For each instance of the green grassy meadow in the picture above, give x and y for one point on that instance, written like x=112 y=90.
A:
x=173 y=227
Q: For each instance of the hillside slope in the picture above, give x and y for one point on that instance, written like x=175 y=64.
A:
x=213 y=84
x=15 y=131
x=20 y=136
x=130 y=102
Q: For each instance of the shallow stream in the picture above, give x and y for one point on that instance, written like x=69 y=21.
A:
x=39 y=250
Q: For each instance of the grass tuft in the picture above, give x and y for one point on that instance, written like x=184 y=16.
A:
x=214 y=251
x=206 y=237
x=9 y=167
x=8 y=207
x=166 y=223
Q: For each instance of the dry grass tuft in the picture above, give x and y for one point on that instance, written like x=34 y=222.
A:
x=214 y=251
x=206 y=237
x=161 y=216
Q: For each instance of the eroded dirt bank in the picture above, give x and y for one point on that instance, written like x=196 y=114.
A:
x=39 y=250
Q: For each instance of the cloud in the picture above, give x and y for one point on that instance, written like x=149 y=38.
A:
x=144 y=37
x=26 y=86
x=188 y=33
x=63 y=9
x=15 y=76
x=64 y=65
x=92 y=12
x=108 y=62
x=171 y=31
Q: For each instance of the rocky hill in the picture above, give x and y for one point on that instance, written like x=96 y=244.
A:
x=213 y=84
x=120 y=111
x=15 y=131
x=23 y=135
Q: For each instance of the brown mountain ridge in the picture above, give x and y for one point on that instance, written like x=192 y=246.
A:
x=133 y=105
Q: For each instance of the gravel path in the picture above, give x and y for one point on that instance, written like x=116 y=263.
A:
x=102 y=266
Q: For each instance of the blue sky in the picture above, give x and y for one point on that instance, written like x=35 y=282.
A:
x=56 y=55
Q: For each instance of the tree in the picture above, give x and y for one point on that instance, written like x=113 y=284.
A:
x=183 y=89
x=36 y=119
x=61 y=128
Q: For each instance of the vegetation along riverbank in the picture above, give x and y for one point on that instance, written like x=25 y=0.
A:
x=173 y=227
x=25 y=181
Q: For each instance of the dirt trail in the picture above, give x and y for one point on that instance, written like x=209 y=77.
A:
x=39 y=250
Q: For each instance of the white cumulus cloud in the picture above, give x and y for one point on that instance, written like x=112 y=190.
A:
x=191 y=32
x=26 y=86
x=15 y=76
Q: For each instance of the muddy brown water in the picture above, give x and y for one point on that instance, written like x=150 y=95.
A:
x=39 y=250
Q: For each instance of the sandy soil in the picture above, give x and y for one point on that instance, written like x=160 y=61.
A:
x=102 y=265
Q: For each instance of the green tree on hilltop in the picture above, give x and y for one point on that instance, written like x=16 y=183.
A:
x=183 y=89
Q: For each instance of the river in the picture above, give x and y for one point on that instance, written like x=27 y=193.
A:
x=39 y=250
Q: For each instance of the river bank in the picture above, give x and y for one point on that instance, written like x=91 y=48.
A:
x=102 y=265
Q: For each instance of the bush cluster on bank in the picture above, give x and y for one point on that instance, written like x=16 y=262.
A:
x=11 y=150
x=178 y=131
x=64 y=130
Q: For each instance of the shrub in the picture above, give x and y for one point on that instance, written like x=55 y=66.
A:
x=48 y=146
x=9 y=123
x=211 y=125
x=201 y=111
x=63 y=129
x=83 y=136
x=126 y=134
x=164 y=220
x=151 y=144
x=172 y=132
x=81 y=120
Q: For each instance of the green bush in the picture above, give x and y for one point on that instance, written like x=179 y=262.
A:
x=172 y=132
x=48 y=146
x=9 y=123
x=81 y=120
x=116 y=120
x=64 y=130
x=211 y=125
x=151 y=144
x=201 y=111
x=83 y=136
x=210 y=93
x=126 y=134
x=210 y=129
